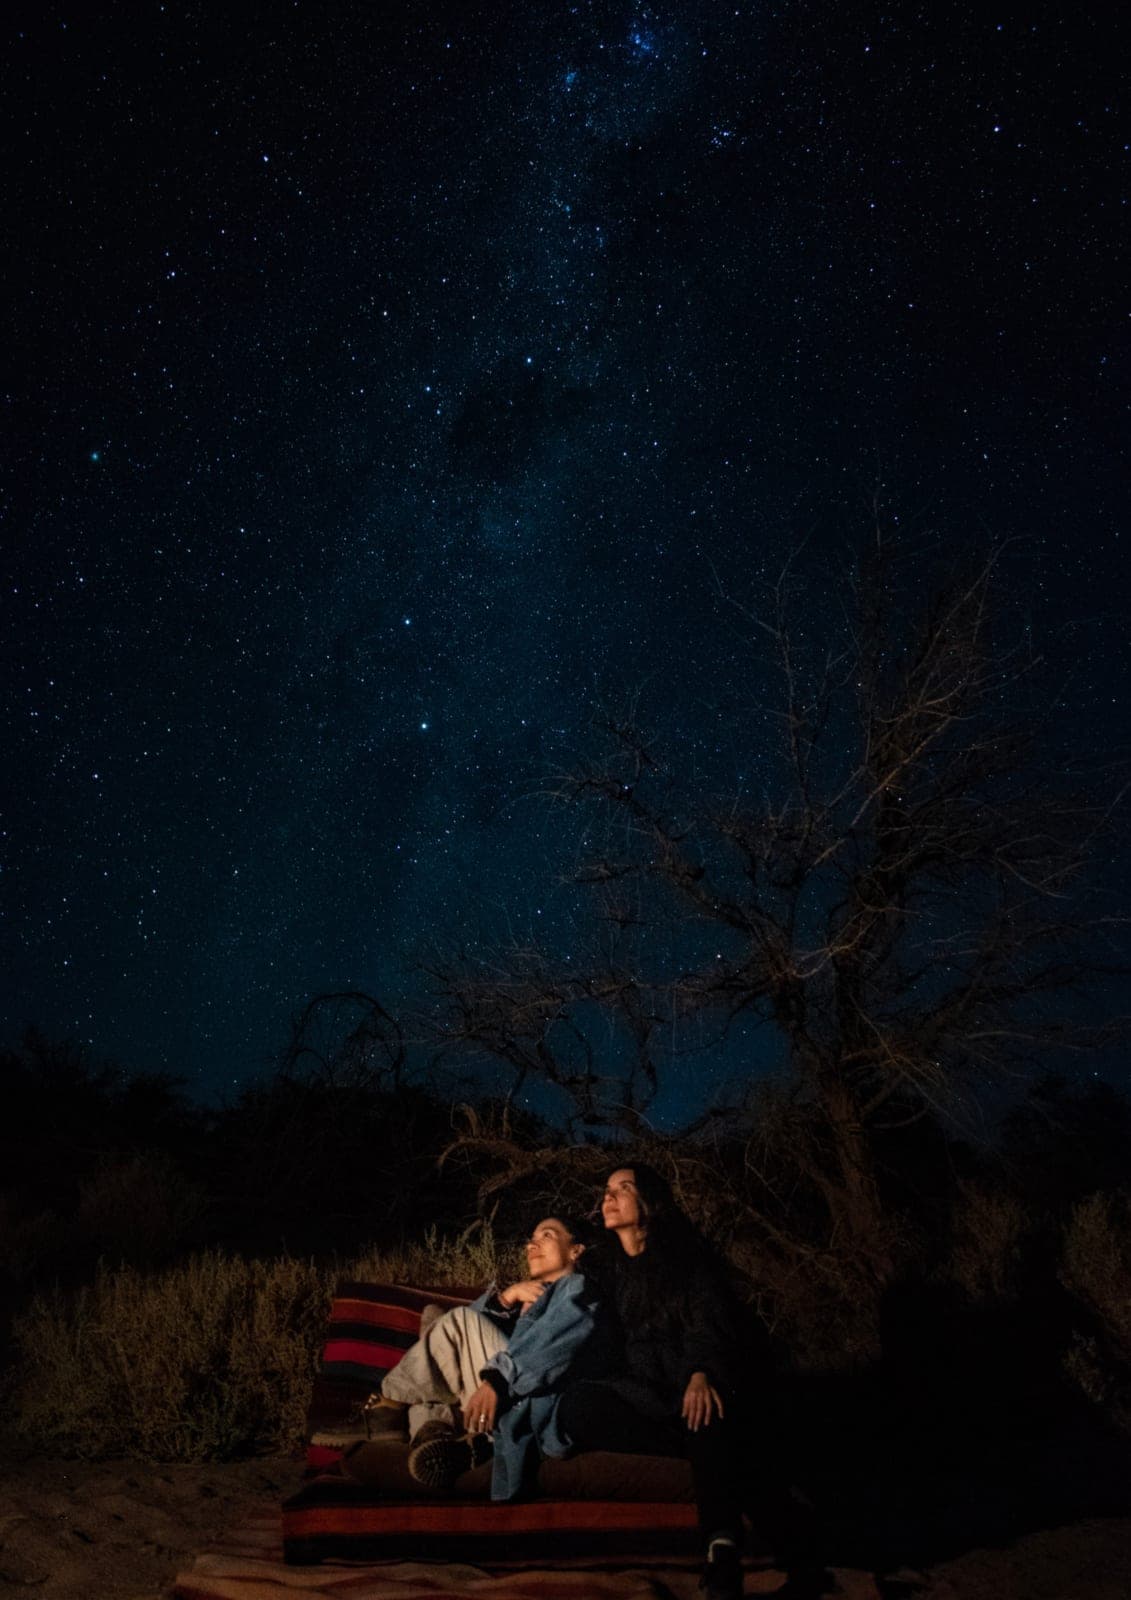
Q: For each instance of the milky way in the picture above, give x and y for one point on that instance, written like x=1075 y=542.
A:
x=393 y=386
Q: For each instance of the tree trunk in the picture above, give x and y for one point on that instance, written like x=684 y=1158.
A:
x=853 y=1195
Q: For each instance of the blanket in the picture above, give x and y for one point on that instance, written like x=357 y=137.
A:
x=248 y=1565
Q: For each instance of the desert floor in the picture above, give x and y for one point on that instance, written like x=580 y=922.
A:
x=121 y=1530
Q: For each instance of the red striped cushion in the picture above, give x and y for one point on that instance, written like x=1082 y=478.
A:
x=383 y=1314
x=373 y=1324
x=371 y=1327
x=368 y=1353
x=331 y=1519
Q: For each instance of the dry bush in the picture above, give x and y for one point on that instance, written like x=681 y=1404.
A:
x=138 y=1208
x=1096 y=1263
x=471 y=1259
x=1084 y=1364
x=28 y=1244
x=820 y=1304
x=1095 y=1267
x=204 y=1362
x=987 y=1235
x=822 y=1309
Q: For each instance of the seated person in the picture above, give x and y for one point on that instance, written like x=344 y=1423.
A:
x=682 y=1364
x=502 y=1361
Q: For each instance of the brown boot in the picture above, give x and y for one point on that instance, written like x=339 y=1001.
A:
x=377 y=1418
x=439 y=1455
x=385 y=1419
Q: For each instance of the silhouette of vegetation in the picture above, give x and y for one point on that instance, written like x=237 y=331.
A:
x=329 y=1155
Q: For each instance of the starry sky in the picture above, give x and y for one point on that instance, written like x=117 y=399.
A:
x=389 y=386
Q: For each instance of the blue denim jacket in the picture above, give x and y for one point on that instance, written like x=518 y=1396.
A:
x=543 y=1345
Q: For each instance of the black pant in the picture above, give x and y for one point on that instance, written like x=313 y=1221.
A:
x=595 y=1416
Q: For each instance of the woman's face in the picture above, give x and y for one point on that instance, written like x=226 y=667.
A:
x=620 y=1206
x=551 y=1250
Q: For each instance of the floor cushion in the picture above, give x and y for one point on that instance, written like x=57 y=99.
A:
x=597 y=1504
x=332 y=1518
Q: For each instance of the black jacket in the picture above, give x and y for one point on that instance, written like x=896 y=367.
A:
x=696 y=1329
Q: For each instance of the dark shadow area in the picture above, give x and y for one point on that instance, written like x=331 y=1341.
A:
x=964 y=1437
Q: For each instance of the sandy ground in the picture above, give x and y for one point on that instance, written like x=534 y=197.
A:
x=122 y=1530
x=1084 y=1561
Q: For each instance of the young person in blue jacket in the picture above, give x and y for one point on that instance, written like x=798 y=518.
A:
x=502 y=1361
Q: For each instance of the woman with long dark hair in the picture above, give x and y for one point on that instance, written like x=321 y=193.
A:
x=680 y=1380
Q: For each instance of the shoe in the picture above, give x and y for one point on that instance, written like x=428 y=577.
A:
x=385 y=1419
x=439 y=1455
x=375 y=1418
x=722 y=1576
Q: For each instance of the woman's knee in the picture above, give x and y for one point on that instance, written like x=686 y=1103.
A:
x=458 y=1324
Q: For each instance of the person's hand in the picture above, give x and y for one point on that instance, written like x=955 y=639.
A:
x=522 y=1294
x=480 y=1411
x=701 y=1402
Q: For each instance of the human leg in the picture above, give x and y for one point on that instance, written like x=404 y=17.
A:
x=595 y=1416
x=439 y=1371
x=714 y=1460
x=442 y=1368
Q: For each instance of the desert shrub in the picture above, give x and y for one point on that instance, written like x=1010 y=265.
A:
x=1084 y=1364
x=27 y=1243
x=1095 y=1267
x=295 y=1158
x=437 y=1261
x=1096 y=1263
x=822 y=1310
x=988 y=1228
x=203 y=1362
x=138 y=1208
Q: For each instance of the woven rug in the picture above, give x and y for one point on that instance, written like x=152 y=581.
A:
x=248 y=1565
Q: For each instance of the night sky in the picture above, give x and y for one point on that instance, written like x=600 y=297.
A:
x=387 y=387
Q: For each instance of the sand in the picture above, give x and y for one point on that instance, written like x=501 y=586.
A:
x=121 y=1530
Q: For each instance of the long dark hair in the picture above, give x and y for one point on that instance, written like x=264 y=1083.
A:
x=653 y=1296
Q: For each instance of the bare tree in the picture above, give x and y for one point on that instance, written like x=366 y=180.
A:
x=347 y=1039
x=908 y=906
